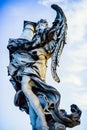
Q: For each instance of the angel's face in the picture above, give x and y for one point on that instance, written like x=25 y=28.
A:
x=42 y=24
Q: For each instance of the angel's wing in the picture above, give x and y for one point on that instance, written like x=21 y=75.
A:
x=56 y=35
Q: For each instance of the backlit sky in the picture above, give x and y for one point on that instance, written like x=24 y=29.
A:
x=73 y=63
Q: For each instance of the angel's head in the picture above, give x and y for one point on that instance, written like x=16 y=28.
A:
x=42 y=24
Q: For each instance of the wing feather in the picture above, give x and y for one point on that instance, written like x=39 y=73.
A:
x=61 y=28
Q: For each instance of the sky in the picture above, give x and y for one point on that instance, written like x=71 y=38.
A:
x=72 y=68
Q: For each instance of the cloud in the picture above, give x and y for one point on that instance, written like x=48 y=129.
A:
x=81 y=99
x=46 y=2
x=78 y=58
x=77 y=18
x=76 y=48
x=73 y=79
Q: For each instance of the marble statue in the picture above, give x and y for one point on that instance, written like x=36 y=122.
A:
x=28 y=56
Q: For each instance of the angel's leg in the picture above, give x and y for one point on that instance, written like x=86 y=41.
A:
x=33 y=117
x=34 y=102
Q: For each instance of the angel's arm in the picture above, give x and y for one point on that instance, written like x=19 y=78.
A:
x=42 y=38
x=38 y=40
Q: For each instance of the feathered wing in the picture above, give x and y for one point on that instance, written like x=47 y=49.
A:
x=60 y=26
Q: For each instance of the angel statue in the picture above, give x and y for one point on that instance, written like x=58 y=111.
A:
x=27 y=68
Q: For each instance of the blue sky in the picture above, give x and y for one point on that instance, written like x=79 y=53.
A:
x=73 y=62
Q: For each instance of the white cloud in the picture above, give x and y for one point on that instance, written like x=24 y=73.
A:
x=46 y=2
x=78 y=58
x=77 y=68
x=77 y=18
x=73 y=79
x=76 y=53
x=81 y=99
